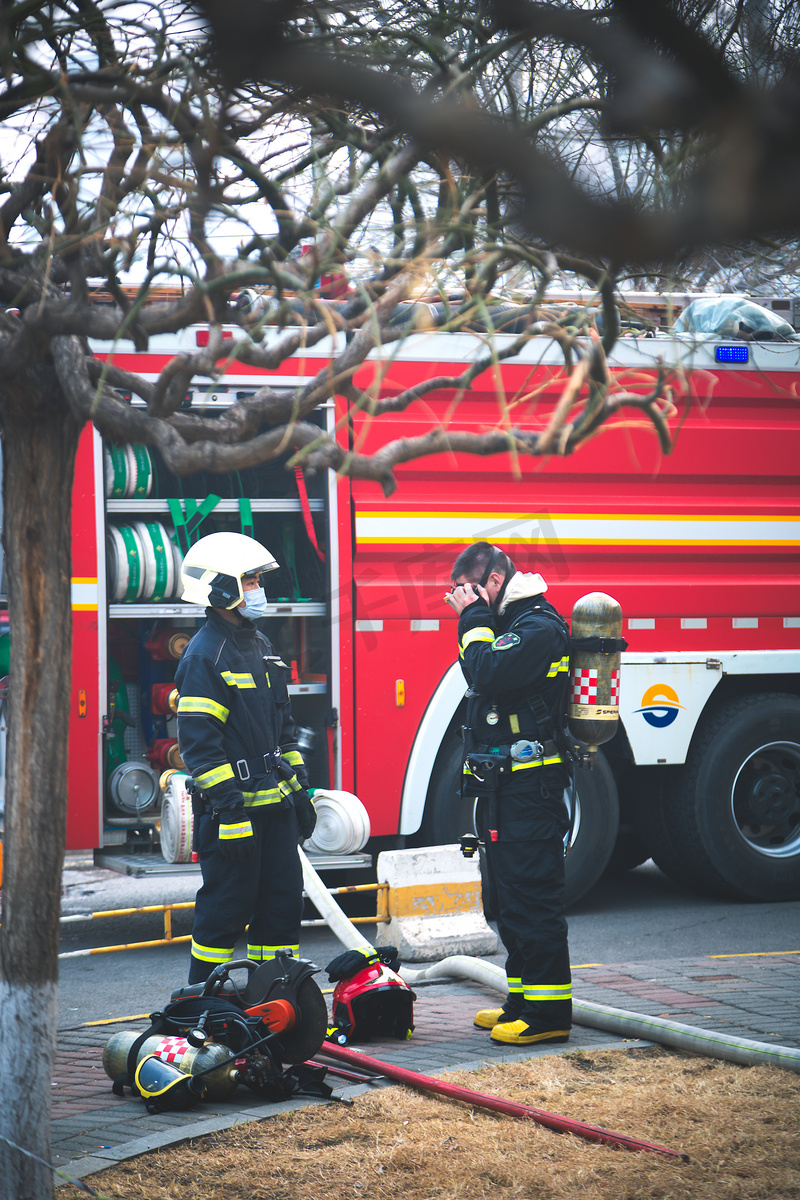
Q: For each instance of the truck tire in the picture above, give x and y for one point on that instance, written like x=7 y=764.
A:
x=734 y=807
x=447 y=813
x=595 y=828
x=655 y=823
x=629 y=852
x=631 y=848
x=447 y=816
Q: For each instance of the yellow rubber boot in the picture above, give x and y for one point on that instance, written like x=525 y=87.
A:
x=520 y=1033
x=487 y=1018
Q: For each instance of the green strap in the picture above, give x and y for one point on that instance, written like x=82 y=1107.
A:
x=289 y=555
x=119 y=469
x=200 y=513
x=246 y=516
x=155 y=532
x=187 y=526
x=180 y=537
x=134 y=563
x=144 y=469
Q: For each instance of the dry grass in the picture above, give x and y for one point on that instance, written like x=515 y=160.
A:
x=738 y=1125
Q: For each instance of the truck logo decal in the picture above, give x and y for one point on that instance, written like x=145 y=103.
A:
x=660 y=705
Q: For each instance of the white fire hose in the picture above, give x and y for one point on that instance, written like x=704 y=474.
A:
x=342 y=828
x=327 y=907
x=595 y=1016
x=621 y=1021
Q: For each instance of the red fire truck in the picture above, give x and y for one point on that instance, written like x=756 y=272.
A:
x=700 y=548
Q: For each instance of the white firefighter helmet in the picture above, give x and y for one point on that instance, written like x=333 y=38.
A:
x=213 y=568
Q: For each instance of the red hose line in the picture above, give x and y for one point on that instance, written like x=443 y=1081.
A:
x=511 y=1108
x=306 y=510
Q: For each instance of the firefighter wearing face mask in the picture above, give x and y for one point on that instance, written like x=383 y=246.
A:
x=238 y=740
x=514 y=653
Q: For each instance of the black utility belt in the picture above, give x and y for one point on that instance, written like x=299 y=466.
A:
x=246 y=769
x=523 y=750
x=494 y=762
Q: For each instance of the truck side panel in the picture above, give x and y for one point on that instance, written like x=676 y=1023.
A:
x=700 y=547
x=88 y=690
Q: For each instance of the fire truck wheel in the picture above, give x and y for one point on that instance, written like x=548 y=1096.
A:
x=736 y=801
x=595 y=828
x=655 y=821
x=447 y=813
x=632 y=848
x=629 y=852
x=447 y=816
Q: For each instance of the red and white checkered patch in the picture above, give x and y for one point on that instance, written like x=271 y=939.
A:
x=172 y=1049
x=584 y=685
x=614 y=699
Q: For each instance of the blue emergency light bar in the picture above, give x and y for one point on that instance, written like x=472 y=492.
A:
x=735 y=354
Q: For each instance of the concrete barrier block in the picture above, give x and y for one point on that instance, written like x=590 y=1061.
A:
x=434 y=903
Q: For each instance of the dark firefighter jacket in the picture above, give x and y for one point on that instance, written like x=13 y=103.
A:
x=234 y=715
x=506 y=659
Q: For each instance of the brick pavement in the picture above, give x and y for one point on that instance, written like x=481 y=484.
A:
x=753 y=997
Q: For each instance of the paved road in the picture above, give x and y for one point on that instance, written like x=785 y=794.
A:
x=653 y=943
x=639 y=917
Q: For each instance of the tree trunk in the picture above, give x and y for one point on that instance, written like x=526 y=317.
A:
x=39 y=444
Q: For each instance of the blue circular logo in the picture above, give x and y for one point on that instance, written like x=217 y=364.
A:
x=660 y=706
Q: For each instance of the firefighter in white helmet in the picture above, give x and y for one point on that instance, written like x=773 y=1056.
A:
x=514 y=652
x=238 y=740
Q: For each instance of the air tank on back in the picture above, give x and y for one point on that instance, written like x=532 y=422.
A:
x=594 y=669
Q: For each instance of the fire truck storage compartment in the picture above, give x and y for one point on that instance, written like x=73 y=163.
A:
x=151 y=515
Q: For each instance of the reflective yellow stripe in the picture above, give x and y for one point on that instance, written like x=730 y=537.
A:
x=241 y=829
x=538 y=762
x=211 y=954
x=561 y=664
x=480 y=634
x=513 y=721
x=514 y=986
x=294 y=758
x=265 y=953
x=201 y=704
x=215 y=775
x=256 y=799
x=515 y=766
x=548 y=991
x=238 y=679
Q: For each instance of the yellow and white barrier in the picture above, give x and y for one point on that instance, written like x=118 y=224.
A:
x=435 y=906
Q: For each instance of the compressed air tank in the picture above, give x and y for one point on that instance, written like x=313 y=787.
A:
x=594 y=669
x=178 y=1051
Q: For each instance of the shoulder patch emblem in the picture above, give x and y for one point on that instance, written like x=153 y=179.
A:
x=506 y=640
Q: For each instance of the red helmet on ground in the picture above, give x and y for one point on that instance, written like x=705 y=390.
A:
x=375 y=1002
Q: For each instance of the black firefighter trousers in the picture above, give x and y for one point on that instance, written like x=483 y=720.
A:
x=263 y=892
x=525 y=892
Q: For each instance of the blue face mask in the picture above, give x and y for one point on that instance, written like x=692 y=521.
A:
x=255 y=604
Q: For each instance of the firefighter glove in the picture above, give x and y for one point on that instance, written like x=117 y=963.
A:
x=306 y=814
x=352 y=961
x=236 y=837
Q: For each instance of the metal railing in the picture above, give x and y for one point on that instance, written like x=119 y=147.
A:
x=169 y=939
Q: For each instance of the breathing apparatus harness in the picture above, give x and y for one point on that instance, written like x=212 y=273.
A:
x=489 y=768
x=554 y=742
x=556 y=738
